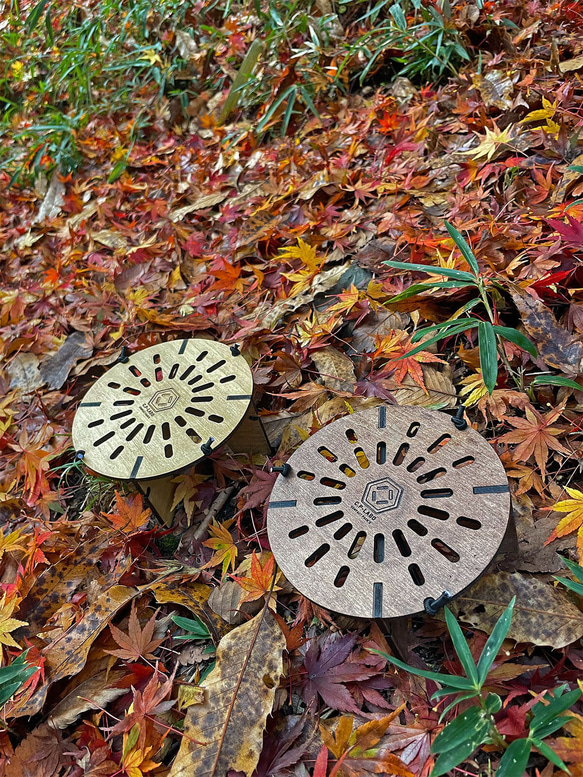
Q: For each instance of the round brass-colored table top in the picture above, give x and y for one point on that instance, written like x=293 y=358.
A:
x=153 y=414
x=388 y=507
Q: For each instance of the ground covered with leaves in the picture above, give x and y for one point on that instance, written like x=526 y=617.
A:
x=245 y=172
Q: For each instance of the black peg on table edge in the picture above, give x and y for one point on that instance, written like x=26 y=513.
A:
x=285 y=469
x=432 y=606
x=458 y=419
x=235 y=349
x=124 y=355
x=206 y=447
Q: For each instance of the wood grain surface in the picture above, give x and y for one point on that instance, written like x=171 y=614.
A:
x=385 y=508
x=149 y=416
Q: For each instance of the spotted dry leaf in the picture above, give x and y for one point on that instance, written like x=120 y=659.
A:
x=226 y=730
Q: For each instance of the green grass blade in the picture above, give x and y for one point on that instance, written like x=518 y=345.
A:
x=462 y=683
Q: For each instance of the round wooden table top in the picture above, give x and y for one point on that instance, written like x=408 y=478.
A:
x=388 y=507
x=152 y=415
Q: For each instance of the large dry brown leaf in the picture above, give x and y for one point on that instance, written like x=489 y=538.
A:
x=40 y=754
x=335 y=368
x=543 y=615
x=376 y=326
x=94 y=693
x=239 y=695
x=440 y=395
x=56 y=585
x=55 y=370
x=555 y=345
x=67 y=654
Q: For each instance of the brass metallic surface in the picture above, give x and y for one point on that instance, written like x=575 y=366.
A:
x=151 y=415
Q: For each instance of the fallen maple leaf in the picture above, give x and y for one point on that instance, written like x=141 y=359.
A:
x=260 y=582
x=534 y=435
x=395 y=348
x=130 y=515
x=489 y=145
x=573 y=521
x=137 y=643
x=8 y=623
x=224 y=546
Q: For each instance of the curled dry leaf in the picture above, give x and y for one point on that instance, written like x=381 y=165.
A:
x=555 y=344
x=226 y=731
x=543 y=615
x=336 y=370
x=440 y=394
x=94 y=693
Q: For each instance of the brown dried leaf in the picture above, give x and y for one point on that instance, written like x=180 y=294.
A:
x=94 y=693
x=193 y=596
x=67 y=654
x=40 y=754
x=55 y=370
x=225 y=601
x=543 y=615
x=24 y=372
x=226 y=731
x=335 y=368
x=441 y=393
x=556 y=346
x=376 y=326
x=496 y=89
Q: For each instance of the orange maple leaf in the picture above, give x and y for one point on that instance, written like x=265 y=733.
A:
x=224 y=546
x=534 y=435
x=130 y=516
x=573 y=521
x=395 y=348
x=137 y=643
x=259 y=584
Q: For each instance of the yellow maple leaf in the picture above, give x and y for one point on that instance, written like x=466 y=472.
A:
x=543 y=114
x=573 y=521
x=304 y=252
x=12 y=541
x=474 y=388
x=489 y=145
x=223 y=544
x=8 y=623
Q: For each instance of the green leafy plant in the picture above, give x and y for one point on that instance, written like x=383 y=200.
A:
x=577 y=570
x=14 y=676
x=490 y=334
x=430 y=43
x=476 y=726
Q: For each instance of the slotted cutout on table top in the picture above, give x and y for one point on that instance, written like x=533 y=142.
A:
x=149 y=416
x=385 y=508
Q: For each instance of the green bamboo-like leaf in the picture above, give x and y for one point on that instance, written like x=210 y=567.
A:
x=195 y=627
x=516 y=337
x=461 y=646
x=453 y=330
x=419 y=288
x=494 y=642
x=464 y=248
x=448 y=761
x=549 y=754
x=513 y=762
x=555 y=380
x=543 y=714
x=460 y=324
x=461 y=728
x=461 y=683
x=430 y=269
x=488 y=354
x=461 y=697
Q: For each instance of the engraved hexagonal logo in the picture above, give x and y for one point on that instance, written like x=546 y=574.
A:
x=163 y=400
x=381 y=495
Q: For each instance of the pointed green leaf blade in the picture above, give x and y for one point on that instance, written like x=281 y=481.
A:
x=463 y=727
x=464 y=248
x=462 y=683
x=516 y=337
x=494 y=642
x=556 y=380
x=513 y=762
x=430 y=269
x=461 y=646
x=488 y=354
